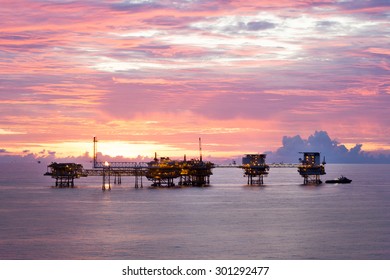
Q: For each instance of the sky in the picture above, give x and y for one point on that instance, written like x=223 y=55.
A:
x=147 y=76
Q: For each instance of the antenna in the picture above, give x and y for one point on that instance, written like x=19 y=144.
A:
x=200 y=149
x=94 y=152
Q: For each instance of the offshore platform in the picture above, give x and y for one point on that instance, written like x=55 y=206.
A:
x=65 y=173
x=194 y=172
x=161 y=172
x=311 y=168
x=255 y=168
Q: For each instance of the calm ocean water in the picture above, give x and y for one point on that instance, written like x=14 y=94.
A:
x=228 y=220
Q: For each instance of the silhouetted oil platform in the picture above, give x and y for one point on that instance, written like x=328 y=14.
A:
x=311 y=168
x=194 y=172
x=255 y=168
x=163 y=171
x=65 y=173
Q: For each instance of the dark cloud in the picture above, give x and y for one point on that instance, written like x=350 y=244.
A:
x=250 y=26
x=14 y=37
x=153 y=47
x=259 y=25
x=368 y=9
x=353 y=5
x=25 y=47
x=2 y=151
x=384 y=89
x=327 y=24
x=332 y=150
x=135 y=7
x=170 y=21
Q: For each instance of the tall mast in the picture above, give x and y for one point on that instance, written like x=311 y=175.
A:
x=94 y=152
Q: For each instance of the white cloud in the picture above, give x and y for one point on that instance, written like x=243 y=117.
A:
x=9 y=132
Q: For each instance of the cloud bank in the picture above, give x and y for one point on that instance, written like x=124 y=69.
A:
x=289 y=152
x=332 y=150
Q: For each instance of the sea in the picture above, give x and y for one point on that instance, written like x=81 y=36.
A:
x=281 y=220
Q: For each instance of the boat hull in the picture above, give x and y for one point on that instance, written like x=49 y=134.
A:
x=347 y=181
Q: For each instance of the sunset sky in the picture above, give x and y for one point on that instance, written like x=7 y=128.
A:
x=149 y=76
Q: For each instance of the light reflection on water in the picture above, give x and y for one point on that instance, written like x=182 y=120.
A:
x=228 y=220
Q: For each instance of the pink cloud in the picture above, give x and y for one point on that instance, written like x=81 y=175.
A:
x=166 y=72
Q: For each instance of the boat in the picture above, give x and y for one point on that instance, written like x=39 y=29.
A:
x=340 y=180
